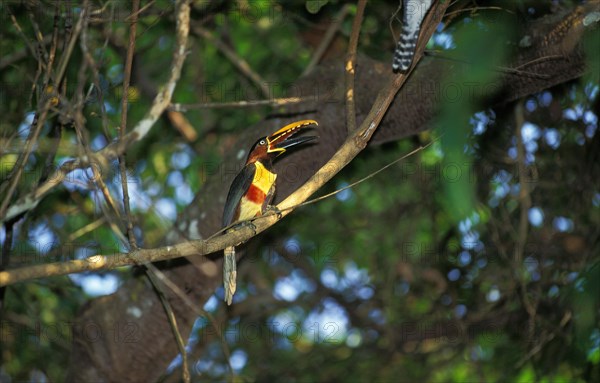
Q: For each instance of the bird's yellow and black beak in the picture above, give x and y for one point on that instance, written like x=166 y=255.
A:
x=281 y=140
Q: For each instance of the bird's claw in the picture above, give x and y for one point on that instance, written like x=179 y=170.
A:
x=274 y=210
x=252 y=226
x=245 y=224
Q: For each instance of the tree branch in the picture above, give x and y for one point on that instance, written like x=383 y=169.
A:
x=112 y=151
x=350 y=67
x=353 y=145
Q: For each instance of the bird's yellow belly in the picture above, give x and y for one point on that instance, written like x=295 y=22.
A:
x=253 y=201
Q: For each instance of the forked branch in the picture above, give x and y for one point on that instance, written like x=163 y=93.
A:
x=354 y=144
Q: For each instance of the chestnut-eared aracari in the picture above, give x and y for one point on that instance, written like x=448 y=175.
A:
x=253 y=188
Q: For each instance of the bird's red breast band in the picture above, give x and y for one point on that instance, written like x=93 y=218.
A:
x=254 y=194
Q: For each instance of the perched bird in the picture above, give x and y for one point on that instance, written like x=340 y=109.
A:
x=413 y=14
x=254 y=187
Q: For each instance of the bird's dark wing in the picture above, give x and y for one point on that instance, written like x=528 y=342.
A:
x=241 y=183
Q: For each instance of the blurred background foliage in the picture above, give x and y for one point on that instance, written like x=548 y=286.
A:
x=422 y=273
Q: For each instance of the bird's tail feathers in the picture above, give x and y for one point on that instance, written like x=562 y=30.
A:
x=229 y=274
x=405 y=51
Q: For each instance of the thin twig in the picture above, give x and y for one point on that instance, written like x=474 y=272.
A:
x=82 y=136
x=10 y=59
x=91 y=62
x=64 y=60
x=544 y=340
x=537 y=61
x=86 y=229
x=41 y=47
x=53 y=46
x=21 y=33
x=185 y=371
x=241 y=64
x=499 y=69
x=393 y=17
x=5 y=256
x=36 y=128
x=182 y=125
x=159 y=104
x=139 y=11
x=524 y=196
x=327 y=39
x=56 y=129
x=68 y=24
x=365 y=178
x=123 y=127
x=38 y=123
x=193 y=306
x=479 y=8
x=525 y=202
x=350 y=67
x=242 y=104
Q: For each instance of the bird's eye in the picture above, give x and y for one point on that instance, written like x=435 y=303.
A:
x=262 y=142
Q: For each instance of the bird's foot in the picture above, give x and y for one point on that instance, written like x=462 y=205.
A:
x=274 y=210
x=251 y=225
